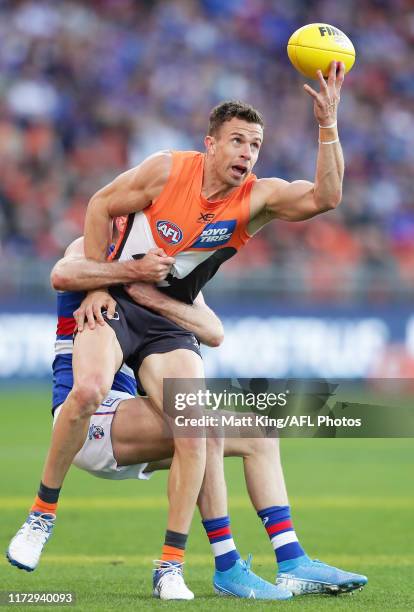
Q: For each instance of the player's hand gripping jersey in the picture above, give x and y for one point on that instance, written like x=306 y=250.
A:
x=201 y=235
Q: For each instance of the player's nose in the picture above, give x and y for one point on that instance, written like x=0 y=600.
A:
x=246 y=152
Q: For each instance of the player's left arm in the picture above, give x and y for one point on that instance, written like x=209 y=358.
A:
x=302 y=200
x=197 y=317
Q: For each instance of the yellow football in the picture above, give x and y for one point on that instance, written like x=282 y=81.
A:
x=313 y=47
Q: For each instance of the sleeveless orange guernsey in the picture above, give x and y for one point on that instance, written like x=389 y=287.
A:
x=201 y=235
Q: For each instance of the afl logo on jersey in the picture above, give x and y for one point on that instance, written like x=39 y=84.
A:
x=169 y=232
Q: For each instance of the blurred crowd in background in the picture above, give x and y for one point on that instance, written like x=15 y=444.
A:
x=88 y=89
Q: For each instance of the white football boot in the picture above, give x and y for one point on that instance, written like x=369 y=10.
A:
x=26 y=547
x=168 y=581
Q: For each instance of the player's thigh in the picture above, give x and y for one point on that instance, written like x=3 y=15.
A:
x=180 y=363
x=139 y=433
x=96 y=354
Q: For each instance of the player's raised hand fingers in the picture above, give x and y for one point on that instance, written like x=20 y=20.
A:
x=340 y=75
x=321 y=79
x=90 y=317
x=309 y=90
x=332 y=75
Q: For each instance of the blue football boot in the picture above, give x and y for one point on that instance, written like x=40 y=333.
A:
x=240 y=581
x=317 y=577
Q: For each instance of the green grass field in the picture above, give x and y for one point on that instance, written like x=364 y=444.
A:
x=353 y=506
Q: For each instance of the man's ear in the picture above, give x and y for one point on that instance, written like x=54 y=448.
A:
x=210 y=144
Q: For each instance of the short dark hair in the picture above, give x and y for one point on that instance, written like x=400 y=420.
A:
x=225 y=111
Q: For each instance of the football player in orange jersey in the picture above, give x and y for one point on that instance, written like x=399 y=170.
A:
x=167 y=198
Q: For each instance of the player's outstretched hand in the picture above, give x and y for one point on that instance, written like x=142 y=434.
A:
x=90 y=311
x=325 y=103
x=154 y=266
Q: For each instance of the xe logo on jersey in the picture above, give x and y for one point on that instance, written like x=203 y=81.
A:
x=169 y=232
x=215 y=234
x=206 y=217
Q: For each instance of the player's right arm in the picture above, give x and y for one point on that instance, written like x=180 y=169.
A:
x=130 y=192
x=75 y=273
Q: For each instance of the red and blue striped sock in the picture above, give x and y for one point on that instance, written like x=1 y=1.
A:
x=278 y=524
x=222 y=543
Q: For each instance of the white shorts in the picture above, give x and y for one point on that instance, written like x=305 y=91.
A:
x=96 y=455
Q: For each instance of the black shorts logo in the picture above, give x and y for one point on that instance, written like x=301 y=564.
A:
x=195 y=341
x=115 y=316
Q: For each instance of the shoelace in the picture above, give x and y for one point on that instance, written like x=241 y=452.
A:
x=247 y=564
x=39 y=527
x=168 y=569
x=256 y=582
x=41 y=522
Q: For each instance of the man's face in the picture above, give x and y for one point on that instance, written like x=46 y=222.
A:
x=234 y=150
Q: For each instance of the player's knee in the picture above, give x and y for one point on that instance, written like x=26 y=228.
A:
x=191 y=449
x=89 y=394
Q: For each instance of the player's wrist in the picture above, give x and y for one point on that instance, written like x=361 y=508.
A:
x=131 y=271
x=328 y=124
x=328 y=134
